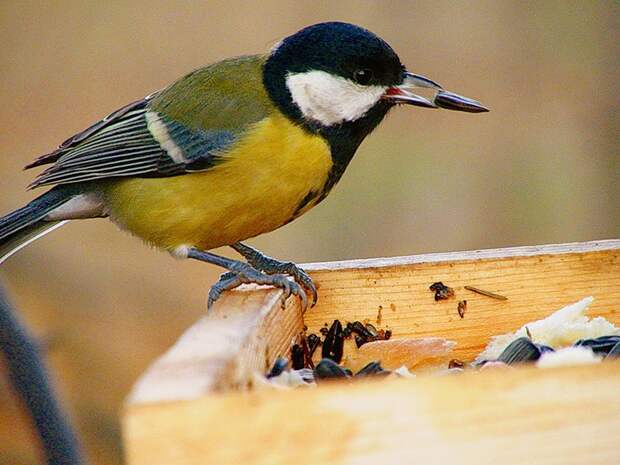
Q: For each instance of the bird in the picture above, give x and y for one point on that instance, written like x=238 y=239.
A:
x=230 y=151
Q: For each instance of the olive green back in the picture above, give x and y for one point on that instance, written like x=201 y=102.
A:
x=228 y=95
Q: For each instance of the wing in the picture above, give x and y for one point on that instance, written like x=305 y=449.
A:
x=133 y=141
x=187 y=131
x=74 y=140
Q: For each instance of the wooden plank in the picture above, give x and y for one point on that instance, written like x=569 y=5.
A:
x=225 y=348
x=557 y=416
x=536 y=280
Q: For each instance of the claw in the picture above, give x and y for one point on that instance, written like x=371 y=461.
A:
x=286 y=292
x=247 y=275
x=301 y=293
x=302 y=278
x=227 y=281
x=286 y=287
x=308 y=284
x=290 y=288
x=211 y=300
x=271 y=266
x=214 y=294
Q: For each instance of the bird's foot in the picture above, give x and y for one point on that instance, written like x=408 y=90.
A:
x=247 y=275
x=271 y=266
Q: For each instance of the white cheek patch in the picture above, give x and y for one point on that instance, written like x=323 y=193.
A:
x=331 y=99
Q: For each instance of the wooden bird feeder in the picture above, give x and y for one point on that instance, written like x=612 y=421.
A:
x=197 y=404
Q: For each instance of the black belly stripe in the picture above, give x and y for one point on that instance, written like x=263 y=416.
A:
x=343 y=140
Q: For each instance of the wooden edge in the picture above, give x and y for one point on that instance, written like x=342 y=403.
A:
x=528 y=415
x=484 y=254
x=224 y=348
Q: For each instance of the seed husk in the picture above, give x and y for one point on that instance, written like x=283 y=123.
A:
x=462 y=308
x=452 y=101
x=493 y=295
x=372 y=330
x=278 y=367
x=333 y=345
x=600 y=345
x=614 y=352
x=518 y=351
x=364 y=333
x=308 y=363
x=543 y=348
x=372 y=369
x=442 y=292
x=328 y=369
x=358 y=328
x=313 y=342
x=298 y=357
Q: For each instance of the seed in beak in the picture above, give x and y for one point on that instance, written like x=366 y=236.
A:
x=452 y=101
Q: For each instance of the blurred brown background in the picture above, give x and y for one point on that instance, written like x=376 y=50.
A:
x=542 y=167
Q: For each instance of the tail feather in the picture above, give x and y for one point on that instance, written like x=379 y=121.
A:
x=17 y=241
x=27 y=224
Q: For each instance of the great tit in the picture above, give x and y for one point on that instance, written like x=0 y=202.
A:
x=230 y=151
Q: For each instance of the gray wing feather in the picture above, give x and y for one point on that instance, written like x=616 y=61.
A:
x=100 y=125
x=123 y=145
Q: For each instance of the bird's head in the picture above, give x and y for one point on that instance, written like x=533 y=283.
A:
x=331 y=74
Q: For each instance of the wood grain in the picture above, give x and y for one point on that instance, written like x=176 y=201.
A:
x=224 y=349
x=536 y=280
x=557 y=416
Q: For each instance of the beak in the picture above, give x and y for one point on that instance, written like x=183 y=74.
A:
x=443 y=99
x=402 y=94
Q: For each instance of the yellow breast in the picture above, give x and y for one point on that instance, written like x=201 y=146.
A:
x=257 y=188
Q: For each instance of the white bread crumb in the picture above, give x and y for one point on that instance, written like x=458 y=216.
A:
x=560 y=329
x=568 y=356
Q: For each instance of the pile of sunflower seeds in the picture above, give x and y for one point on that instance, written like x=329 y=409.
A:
x=332 y=344
x=303 y=369
x=327 y=369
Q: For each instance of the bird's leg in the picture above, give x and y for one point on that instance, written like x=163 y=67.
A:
x=244 y=273
x=270 y=265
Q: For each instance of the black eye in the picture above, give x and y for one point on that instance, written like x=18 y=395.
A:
x=362 y=76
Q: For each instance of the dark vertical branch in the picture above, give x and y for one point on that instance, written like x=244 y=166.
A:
x=29 y=378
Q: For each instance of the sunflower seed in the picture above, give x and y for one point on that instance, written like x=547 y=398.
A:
x=327 y=369
x=520 y=350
